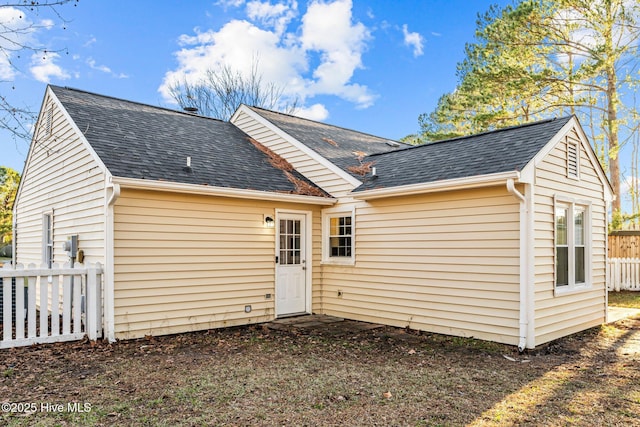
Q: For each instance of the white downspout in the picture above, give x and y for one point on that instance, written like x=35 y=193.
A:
x=524 y=251
x=109 y=286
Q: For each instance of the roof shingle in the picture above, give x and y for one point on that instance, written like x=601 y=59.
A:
x=340 y=146
x=502 y=150
x=145 y=142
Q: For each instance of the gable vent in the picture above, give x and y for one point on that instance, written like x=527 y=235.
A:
x=572 y=159
x=48 y=123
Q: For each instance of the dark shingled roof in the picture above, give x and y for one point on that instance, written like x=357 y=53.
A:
x=338 y=145
x=502 y=150
x=145 y=142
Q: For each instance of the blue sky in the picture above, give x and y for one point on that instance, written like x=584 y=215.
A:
x=373 y=66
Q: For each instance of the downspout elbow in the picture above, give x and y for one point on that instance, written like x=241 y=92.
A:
x=115 y=193
x=511 y=188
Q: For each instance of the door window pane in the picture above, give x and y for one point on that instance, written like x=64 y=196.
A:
x=290 y=242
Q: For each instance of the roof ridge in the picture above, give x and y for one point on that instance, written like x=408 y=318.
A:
x=459 y=138
x=115 y=98
x=326 y=124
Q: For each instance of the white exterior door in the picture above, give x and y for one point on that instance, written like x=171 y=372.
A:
x=291 y=287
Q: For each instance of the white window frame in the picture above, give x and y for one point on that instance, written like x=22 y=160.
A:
x=571 y=204
x=327 y=215
x=47 y=239
x=575 y=144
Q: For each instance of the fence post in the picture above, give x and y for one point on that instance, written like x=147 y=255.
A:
x=6 y=301
x=91 y=331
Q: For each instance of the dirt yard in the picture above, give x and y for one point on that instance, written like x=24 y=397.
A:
x=385 y=376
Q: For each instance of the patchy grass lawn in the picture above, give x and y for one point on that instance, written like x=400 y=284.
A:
x=386 y=376
x=627 y=299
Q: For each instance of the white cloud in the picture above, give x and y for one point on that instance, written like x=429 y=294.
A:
x=318 y=56
x=414 y=40
x=89 y=42
x=276 y=16
x=103 y=68
x=327 y=29
x=43 y=68
x=237 y=44
x=316 y=112
x=17 y=31
x=230 y=3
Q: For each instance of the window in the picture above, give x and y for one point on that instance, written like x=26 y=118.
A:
x=572 y=245
x=338 y=236
x=47 y=239
x=572 y=159
x=340 y=233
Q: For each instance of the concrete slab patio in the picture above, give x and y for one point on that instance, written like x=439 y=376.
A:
x=323 y=324
x=619 y=313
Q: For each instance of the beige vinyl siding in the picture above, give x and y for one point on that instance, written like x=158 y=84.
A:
x=60 y=175
x=311 y=168
x=188 y=262
x=445 y=262
x=560 y=315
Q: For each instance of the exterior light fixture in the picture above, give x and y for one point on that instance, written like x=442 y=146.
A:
x=269 y=222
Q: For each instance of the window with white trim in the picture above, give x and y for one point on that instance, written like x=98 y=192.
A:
x=572 y=244
x=47 y=239
x=338 y=237
x=573 y=159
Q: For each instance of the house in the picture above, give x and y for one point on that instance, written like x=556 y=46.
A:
x=202 y=223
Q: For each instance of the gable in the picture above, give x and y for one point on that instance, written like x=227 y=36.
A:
x=55 y=134
x=64 y=178
x=558 y=156
x=316 y=168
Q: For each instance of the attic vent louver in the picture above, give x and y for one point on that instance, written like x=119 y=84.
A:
x=572 y=159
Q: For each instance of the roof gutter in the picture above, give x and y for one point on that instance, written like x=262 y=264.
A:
x=443 y=185
x=145 y=184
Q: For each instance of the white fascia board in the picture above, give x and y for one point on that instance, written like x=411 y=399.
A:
x=297 y=144
x=177 y=187
x=443 y=185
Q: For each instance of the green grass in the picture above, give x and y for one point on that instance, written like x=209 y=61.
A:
x=626 y=299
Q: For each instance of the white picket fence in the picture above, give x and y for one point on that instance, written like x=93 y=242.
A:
x=623 y=274
x=52 y=304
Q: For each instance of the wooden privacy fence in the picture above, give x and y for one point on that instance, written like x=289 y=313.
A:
x=623 y=274
x=624 y=244
x=42 y=305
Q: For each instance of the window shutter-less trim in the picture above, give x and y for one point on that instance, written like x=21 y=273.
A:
x=572 y=160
